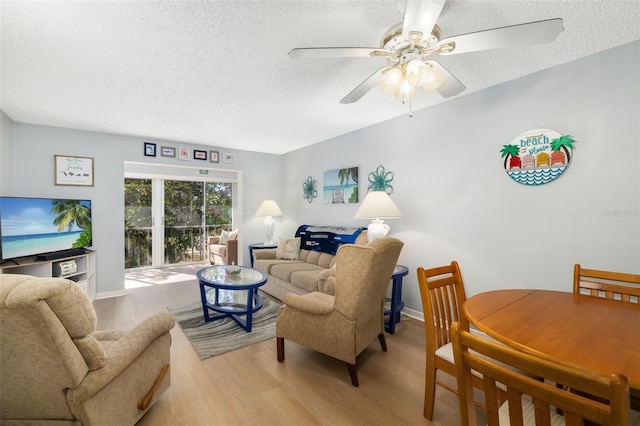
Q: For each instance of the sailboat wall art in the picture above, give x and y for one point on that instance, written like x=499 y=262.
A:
x=537 y=156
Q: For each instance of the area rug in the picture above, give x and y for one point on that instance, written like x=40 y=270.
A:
x=220 y=336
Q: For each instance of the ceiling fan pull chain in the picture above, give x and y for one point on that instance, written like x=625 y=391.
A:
x=410 y=105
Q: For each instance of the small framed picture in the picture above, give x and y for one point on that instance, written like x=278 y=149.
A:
x=168 y=151
x=183 y=153
x=214 y=156
x=149 y=149
x=72 y=170
x=228 y=157
x=199 y=155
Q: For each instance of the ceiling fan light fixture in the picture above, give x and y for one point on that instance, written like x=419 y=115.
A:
x=391 y=82
x=417 y=72
x=433 y=79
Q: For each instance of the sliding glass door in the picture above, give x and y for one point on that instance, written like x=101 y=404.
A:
x=138 y=223
x=169 y=221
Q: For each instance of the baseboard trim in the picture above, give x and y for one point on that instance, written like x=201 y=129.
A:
x=413 y=314
x=109 y=294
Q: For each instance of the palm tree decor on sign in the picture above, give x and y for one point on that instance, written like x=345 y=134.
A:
x=563 y=142
x=380 y=180
x=309 y=191
x=509 y=151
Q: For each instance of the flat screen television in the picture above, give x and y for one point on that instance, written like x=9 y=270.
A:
x=42 y=226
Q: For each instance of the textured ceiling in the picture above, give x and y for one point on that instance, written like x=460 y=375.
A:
x=217 y=72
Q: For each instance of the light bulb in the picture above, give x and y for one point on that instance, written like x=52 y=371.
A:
x=391 y=82
x=417 y=72
x=406 y=90
x=433 y=79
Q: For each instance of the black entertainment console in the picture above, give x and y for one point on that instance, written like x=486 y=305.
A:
x=62 y=254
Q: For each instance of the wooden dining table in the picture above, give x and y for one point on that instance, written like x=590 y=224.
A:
x=599 y=334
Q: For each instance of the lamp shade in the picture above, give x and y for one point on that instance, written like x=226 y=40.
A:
x=269 y=208
x=378 y=205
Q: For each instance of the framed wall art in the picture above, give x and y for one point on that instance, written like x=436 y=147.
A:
x=183 y=153
x=228 y=157
x=214 y=156
x=74 y=171
x=340 y=186
x=168 y=151
x=149 y=149
x=199 y=155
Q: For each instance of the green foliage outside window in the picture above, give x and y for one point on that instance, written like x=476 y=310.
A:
x=192 y=212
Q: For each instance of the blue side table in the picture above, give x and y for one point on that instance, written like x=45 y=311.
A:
x=259 y=246
x=396 y=299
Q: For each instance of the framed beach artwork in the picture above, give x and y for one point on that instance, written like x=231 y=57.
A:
x=340 y=186
x=149 y=149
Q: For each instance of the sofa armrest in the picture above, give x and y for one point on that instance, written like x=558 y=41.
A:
x=232 y=252
x=264 y=254
x=121 y=354
x=314 y=303
x=214 y=239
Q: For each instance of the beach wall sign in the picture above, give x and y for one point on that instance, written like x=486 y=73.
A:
x=537 y=156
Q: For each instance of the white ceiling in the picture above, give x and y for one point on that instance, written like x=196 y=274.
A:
x=217 y=72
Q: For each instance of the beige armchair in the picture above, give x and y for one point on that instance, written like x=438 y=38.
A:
x=225 y=253
x=342 y=326
x=57 y=369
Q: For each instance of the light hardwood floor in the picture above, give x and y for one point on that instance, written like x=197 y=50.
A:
x=249 y=387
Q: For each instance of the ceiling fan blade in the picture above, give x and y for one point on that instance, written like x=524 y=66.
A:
x=421 y=15
x=451 y=85
x=364 y=87
x=337 y=52
x=511 y=36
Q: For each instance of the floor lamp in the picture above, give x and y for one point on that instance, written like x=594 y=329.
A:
x=268 y=209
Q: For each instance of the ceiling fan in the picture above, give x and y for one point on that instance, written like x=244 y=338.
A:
x=408 y=47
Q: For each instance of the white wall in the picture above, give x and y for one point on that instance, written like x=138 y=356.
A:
x=459 y=203
x=34 y=150
x=6 y=153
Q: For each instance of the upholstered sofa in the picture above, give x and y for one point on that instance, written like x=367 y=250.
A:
x=312 y=266
x=56 y=369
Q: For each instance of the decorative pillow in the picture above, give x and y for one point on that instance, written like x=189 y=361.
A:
x=227 y=235
x=288 y=248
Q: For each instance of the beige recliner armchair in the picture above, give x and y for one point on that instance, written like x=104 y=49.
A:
x=342 y=326
x=55 y=368
x=223 y=252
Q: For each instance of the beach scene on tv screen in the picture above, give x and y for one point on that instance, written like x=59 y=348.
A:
x=31 y=226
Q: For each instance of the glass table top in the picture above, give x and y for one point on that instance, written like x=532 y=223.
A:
x=231 y=276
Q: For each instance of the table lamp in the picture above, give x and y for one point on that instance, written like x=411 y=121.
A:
x=268 y=209
x=377 y=205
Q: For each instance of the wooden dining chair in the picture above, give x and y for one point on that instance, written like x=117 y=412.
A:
x=534 y=401
x=442 y=293
x=607 y=284
x=610 y=285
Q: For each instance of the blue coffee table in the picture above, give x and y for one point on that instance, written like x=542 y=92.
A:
x=231 y=291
